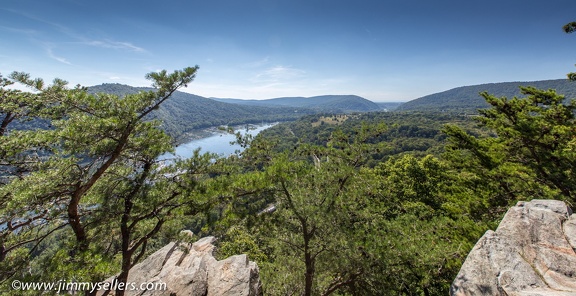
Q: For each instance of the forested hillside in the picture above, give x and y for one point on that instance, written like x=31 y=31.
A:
x=416 y=133
x=468 y=99
x=185 y=112
x=327 y=103
x=383 y=203
x=391 y=203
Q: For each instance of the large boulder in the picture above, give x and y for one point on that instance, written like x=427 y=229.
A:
x=531 y=253
x=190 y=269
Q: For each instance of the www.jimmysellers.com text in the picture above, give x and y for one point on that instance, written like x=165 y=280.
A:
x=63 y=286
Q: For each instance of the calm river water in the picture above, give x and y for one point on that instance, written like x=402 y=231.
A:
x=218 y=143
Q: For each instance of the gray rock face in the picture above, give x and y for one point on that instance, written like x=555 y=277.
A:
x=532 y=253
x=190 y=269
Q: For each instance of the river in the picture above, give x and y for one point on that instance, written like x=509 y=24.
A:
x=218 y=143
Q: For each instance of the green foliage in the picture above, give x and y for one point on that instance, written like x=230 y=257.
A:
x=342 y=225
x=569 y=27
x=422 y=238
x=418 y=133
x=415 y=184
x=362 y=204
x=313 y=217
x=532 y=153
x=240 y=241
x=93 y=180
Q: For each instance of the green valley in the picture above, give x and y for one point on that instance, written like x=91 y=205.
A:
x=326 y=203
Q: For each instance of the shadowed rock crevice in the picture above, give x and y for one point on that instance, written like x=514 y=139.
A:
x=531 y=253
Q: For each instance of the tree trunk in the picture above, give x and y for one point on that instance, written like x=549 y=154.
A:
x=309 y=274
x=7 y=119
x=76 y=224
x=308 y=260
x=126 y=251
x=122 y=278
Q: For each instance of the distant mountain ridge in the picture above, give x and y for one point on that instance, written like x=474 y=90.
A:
x=327 y=103
x=185 y=112
x=467 y=98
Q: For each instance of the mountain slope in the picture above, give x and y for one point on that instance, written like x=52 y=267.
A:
x=327 y=103
x=467 y=98
x=184 y=112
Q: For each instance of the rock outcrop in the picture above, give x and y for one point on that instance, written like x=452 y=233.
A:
x=190 y=269
x=531 y=253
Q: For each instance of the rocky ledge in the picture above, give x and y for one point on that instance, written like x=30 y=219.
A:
x=531 y=253
x=190 y=269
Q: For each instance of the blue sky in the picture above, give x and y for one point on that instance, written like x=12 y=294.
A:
x=383 y=50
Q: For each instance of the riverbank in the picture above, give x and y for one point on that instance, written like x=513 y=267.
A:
x=202 y=133
x=215 y=140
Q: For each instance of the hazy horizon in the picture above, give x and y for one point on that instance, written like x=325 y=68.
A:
x=384 y=51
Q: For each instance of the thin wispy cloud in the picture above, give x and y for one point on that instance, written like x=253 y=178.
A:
x=267 y=86
x=279 y=74
x=79 y=38
x=18 y=30
x=114 y=45
x=257 y=64
x=51 y=54
x=242 y=91
x=303 y=52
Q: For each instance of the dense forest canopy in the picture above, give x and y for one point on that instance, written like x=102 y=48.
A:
x=363 y=203
x=369 y=203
